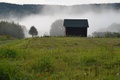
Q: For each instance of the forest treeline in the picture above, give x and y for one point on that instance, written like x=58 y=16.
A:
x=7 y=9
x=27 y=9
x=11 y=29
x=106 y=34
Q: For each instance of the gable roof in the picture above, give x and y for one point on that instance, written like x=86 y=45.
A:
x=76 y=23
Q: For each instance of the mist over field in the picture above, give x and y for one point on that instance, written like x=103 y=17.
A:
x=99 y=17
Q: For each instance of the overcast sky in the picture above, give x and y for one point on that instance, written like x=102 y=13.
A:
x=61 y=2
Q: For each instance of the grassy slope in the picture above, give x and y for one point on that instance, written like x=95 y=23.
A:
x=61 y=58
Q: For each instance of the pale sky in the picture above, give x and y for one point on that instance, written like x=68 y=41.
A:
x=61 y=2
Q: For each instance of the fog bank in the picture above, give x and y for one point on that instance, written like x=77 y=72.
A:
x=43 y=21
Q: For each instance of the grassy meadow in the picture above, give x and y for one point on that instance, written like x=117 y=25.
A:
x=60 y=58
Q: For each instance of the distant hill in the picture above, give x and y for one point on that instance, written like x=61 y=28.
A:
x=8 y=9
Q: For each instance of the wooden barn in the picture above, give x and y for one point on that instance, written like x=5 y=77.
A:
x=76 y=27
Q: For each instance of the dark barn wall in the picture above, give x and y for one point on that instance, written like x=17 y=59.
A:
x=76 y=31
x=76 y=27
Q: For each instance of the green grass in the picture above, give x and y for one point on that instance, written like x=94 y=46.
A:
x=60 y=58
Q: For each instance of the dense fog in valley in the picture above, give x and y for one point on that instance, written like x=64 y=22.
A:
x=99 y=19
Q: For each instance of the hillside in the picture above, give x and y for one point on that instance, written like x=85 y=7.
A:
x=7 y=9
x=60 y=58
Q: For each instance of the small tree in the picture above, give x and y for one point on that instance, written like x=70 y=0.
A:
x=33 y=31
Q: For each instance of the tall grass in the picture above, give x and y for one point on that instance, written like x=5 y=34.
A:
x=60 y=58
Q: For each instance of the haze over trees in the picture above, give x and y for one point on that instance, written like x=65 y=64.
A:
x=57 y=28
x=98 y=15
x=111 y=31
x=33 y=31
x=7 y=9
x=11 y=29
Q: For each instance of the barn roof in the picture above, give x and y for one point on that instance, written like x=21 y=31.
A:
x=76 y=23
